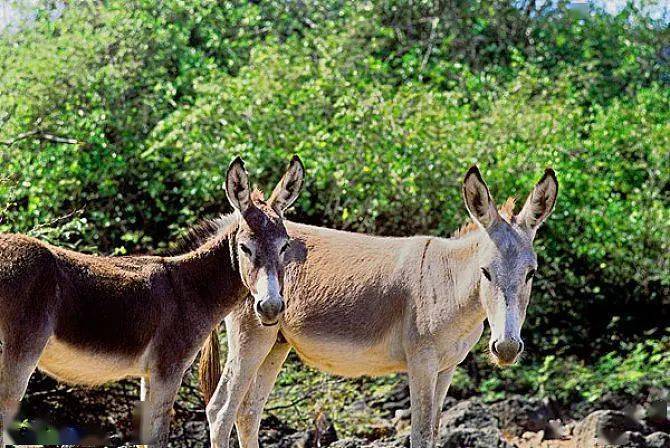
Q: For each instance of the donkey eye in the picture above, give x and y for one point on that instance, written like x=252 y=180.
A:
x=285 y=247
x=530 y=275
x=486 y=273
x=245 y=249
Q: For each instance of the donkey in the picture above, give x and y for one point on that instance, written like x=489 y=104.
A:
x=367 y=305
x=89 y=320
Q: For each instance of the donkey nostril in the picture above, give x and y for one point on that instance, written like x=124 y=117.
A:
x=282 y=306
x=507 y=348
x=258 y=308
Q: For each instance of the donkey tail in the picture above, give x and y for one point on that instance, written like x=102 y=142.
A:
x=210 y=365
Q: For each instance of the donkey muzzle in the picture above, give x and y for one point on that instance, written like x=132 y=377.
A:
x=270 y=310
x=506 y=350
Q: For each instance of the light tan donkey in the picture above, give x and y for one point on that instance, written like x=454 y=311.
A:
x=89 y=320
x=366 y=305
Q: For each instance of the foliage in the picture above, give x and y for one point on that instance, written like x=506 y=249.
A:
x=643 y=366
x=118 y=119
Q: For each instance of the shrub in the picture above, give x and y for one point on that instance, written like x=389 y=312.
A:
x=131 y=114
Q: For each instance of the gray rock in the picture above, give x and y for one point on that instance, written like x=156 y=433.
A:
x=471 y=424
x=469 y=413
x=398 y=398
x=403 y=414
x=488 y=437
x=518 y=414
x=355 y=442
x=631 y=439
x=607 y=426
x=396 y=442
x=350 y=442
x=295 y=440
x=449 y=402
x=658 y=440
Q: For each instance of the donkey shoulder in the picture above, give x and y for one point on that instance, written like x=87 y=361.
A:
x=21 y=254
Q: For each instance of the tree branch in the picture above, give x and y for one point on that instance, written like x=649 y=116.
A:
x=41 y=135
x=57 y=220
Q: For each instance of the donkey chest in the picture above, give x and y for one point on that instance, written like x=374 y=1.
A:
x=453 y=350
x=74 y=365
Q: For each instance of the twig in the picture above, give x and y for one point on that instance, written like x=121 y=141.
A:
x=41 y=135
x=57 y=220
x=431 y=38
x=5 y=118
x=307 y=394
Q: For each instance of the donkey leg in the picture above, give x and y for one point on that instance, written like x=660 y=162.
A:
x=249 y=415
x=422 y=372
x=17 y=363
x=248 y=345
x=441 y=388
x=156 y=425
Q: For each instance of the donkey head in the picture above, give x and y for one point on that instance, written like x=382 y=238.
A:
x=507 y=270
x=261 y=241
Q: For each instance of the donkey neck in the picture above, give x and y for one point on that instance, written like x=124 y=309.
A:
x=461 y=259
x=208 y=273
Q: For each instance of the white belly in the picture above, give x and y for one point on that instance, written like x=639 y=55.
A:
x=76 y=366
x=348 y=358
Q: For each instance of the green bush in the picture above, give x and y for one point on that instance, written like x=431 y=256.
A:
x=128 y=115
x=569 y=380
x=389 y=161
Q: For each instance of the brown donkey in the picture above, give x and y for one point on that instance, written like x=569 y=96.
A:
x=89 y=320
x=366 y=305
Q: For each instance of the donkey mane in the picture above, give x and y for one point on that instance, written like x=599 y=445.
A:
x=201 y=233
x=206 y=229
x=506 y=211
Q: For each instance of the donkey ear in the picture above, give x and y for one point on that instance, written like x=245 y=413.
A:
x=288 y=188
x=540 y=202
x=478 y=199
x=237 y=185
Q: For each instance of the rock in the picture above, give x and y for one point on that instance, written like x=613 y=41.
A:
x=555 y=430
x=449 y=402
x=358 y=406
x=616 y=401
x=402 y=414
x=191 y=430
x=402 y=420
x=397 y=399
x=350 y=442
x=295 y=440
x=607 y=426
x=357 y=442
x=488 y=437
x=631 y=439
x=396 y=442
x=658 y=440
x=518 y=414
x=470 y=413
x=471 y=424
x=657 y=415
x=533 y=438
